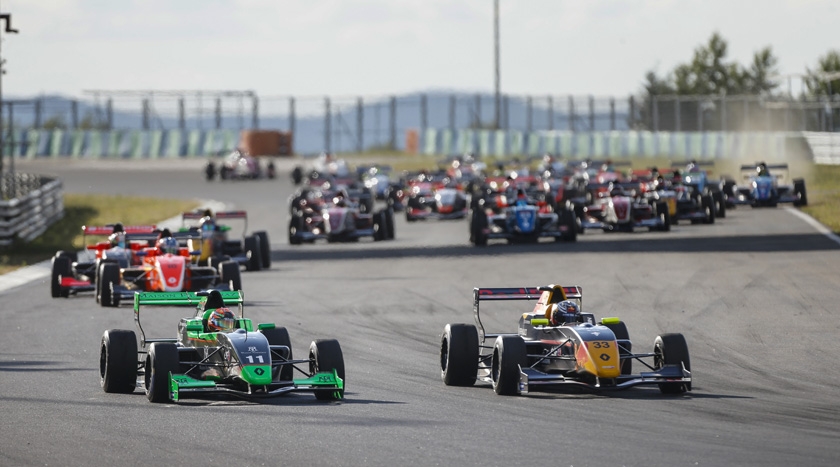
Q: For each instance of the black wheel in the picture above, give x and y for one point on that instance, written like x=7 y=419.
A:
x=325 y=355
x=61 y=267
x=478 y=225
x=621 y=334
x=224 y=172
x=252 y=249
x=210 y=171
x=380 y=226
x=265 y=249
x=664 y=216
x=295 y=227
x=508 y=354
x=720 y=204
x=671 y=349
x=389 y=216
x=118 y=361
x=800 y=193
x=161 y=360
x=280 y=336
x=569 y=219
x=272 y=171
x=109 y=276
x=229 y=273
x=297 y=175
x=459 y=355
x=708 y=205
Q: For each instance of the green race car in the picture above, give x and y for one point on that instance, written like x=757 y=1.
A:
x=216 y=352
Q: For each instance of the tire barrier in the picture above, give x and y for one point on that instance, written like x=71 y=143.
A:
x=31 y=203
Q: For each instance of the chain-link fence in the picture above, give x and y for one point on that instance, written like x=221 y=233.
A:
x=355 y=123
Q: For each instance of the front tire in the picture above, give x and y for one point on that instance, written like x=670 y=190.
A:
x=280 y=336
x=161 y=360
x=671 y=349
x=459 y=355
x=265 y=249
x=230 y=274
x=508 y=354
x=326 y=355
x=109 y=277
x=118 y=361
x=61 y=267
x=254 y=252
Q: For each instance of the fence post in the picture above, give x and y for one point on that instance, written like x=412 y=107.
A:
x=145 y=114
x=677 y=119
x=452 y=103
x=655 y=104
x=182 y=122
x=423 y=115
x=723 y=124
x=529 y=113
x=612 y=114
x=631 y=118
x=507 y=108
x=360 y=121
x=572 y=113
x=218 y=113
x=74 y=114
x=393 y=124
x=292 y=116
x=477 y=122
x=38 y=113
x=591 y=113
x=109 y=113
x=255 y=111
x=550 y=113
x=327 y=126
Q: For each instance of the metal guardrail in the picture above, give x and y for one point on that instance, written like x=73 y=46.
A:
x=30 y=204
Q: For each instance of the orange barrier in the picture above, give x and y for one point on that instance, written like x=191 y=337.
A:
x=412 y=141
x=266 y=142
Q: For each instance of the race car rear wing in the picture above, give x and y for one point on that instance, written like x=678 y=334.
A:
x=480 y=294
x=220 y=215
x=769 y=166
x=109 y=229
x=230 y=297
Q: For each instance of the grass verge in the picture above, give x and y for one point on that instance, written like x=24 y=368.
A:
x=824 y=196
x=80 y=210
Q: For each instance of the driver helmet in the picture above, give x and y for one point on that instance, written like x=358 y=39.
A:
x=221 y=320
x=207 y=224
x=169 y=245
x=565 y=312
x=340 y=198
x=117 y=239
x=762 y=170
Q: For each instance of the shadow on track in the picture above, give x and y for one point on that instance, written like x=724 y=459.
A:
x=728 y=244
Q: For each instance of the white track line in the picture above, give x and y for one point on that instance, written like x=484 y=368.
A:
x=815 y=224
x=41 y=271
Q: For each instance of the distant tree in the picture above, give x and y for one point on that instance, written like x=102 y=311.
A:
x=91 y=122
x=824 y=80
x=56 y=122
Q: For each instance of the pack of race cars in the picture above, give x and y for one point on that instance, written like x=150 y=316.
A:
x=217 y=351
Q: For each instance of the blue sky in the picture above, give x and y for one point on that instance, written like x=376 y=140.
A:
x=378 y=47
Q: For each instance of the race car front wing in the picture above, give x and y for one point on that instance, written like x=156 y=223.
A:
x=531 y=380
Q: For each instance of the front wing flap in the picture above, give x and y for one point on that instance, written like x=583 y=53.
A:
x=531 y=380
x=183 y=386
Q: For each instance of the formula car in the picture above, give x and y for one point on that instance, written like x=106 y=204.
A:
x=239 y=165
x=518 y=218
x=435 y=196
x=211 y=239
x=166 y=268
x=619 y=207
x=761 y=188
x=335 y=217
x=546 y=354
x=77 y=271
x=204 y=360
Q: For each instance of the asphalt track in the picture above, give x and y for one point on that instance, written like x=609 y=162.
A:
x=755 y=295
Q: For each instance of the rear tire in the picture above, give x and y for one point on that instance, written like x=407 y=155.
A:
x=326 y=355
x=389 y=216
x=671 y=349
x=254 y=252
x=161 y=360
x=61 y=267
x=295 y=228
x=230 y=274
x=280 y=336
x=118 y=361
x=109 y=276
x=508 y=354
x=800 y=193
x=478 y=224
x=709 y=208
x=459 y=355
x=265 y=249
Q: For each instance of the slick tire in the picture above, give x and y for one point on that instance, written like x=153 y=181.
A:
x=389 y=217
x=325 y=355
x=254 y=252
x=118 y=361
x=280 y=336
x=625 y=349
x=508 y=354
x=459 y=355
x=478 y=223
x=109 y=276
x=295 y=228
x=671 y=349
x=230 y=274
x=265 y=249
x=161 y=360
x=61 y=267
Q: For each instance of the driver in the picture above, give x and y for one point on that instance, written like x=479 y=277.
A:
x=117 y=238
x=762 y=170
x=565 y=312
x=221 y=320
x=169 y=245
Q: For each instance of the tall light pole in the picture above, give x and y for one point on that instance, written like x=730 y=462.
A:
x=498 y=100
x=7 y=17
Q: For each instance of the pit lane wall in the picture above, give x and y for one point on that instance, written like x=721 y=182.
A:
x=30 y=204
x=771 y=146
